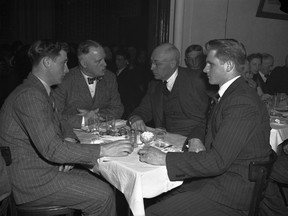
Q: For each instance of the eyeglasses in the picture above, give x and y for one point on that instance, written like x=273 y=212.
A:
x=158 y=63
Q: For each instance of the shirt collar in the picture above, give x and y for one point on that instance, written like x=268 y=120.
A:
x=226 y=85
x=171 y=80
x=46 y=86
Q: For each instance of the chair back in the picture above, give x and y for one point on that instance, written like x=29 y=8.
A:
x=259 y=172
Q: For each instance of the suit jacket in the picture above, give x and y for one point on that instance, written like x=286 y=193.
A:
x=238 y=132
x=30 y=127
x=193 y=100
x=278 y=80
x=73 y=93
x=128 y=86
x=260 y=82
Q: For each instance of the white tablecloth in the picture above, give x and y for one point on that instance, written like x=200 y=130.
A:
x=136 y=180
x=278 y=133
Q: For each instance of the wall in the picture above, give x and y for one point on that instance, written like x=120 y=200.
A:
x=209 y=19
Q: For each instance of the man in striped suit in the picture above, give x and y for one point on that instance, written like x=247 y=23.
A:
x=42 y=157
x=216 y=180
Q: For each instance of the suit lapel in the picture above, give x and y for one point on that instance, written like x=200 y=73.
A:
x=82 y=87
x=212 y=127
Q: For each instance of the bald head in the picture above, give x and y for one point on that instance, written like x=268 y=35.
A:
x=167 y=52
x=165 y=60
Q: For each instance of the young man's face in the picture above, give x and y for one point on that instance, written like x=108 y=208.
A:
x=59 y=68
x=215 y=69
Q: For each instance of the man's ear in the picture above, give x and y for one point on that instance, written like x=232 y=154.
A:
x=229 y=66
x=46 y=61
x=173 y=63
x=82 y=62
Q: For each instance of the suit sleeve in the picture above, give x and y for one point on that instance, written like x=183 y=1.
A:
x=36 y=116
x=115 y=106
x=60 y=96
x=144 y=110
x=240 y=119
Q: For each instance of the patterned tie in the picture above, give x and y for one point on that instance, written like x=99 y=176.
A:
x=165 y=90
x=91 y=80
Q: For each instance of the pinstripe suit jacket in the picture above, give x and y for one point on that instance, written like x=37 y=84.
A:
x=30 y=127
x=238 y=132
x=74 y=93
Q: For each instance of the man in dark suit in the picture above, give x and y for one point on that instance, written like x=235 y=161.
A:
x=278 y=79
x=128 y=82
x=176 y=100
x=262 y=77
x=41 y=155
x=216 y=180
x=88 y=89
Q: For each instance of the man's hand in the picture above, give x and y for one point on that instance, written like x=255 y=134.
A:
x=65 y=168
x=116 y=149
x=139 y=125
x=89 y=114
x=195 y=145
x=152 y=155
x=69 y=139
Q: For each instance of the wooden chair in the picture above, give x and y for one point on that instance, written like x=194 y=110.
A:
x=259 y=172
x=25 y=209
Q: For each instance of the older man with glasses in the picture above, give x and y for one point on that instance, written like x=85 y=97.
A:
x=177 y=100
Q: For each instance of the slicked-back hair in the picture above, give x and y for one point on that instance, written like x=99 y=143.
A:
x=228 y=50
x=254 y=56
x=45 y=48
x=85 y=46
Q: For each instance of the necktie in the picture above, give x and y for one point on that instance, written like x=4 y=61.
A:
x=91 y=80
x=165 y=89
x=214 y=101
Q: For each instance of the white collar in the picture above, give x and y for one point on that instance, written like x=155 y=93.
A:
x=171 y=80
x=46 y=86
x=226 y=85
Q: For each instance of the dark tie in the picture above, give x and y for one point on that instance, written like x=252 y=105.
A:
x=91 y=80
x=214 y=101
x=165 y=89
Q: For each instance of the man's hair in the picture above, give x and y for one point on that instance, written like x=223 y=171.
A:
x=267 y=56
x=45 y=48
x=85 y=46
x=253 y=56
x=228 y=50
x=194 y=47
x=122 y=53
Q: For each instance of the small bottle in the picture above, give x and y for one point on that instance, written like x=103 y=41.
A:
x=138 y=140
x=133 y=137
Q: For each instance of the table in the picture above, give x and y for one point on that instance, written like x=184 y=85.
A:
x=136 y=180
x=278 y=133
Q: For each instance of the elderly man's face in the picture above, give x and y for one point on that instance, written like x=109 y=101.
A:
x=162 y=65
x=93 y=62
x=194 y=60
x=266 y=66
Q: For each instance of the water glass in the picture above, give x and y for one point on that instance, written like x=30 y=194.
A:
x=161 y=134
x=110 y=124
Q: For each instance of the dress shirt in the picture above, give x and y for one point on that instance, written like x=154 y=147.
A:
x=92 y=87
x=263 y=76
x=225 y=86
x=171 y=80
x=47 y=87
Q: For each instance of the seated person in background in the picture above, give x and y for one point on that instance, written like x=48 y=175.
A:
x=257 y=62
x=88 y=89
x=264 y=71
x=128 y=84
x=278 y=79
x=216 y=180
x=180 y=105
x=42 y=157
x=195 y=61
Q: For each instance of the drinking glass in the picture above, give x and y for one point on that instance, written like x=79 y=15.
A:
x=161 y=134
